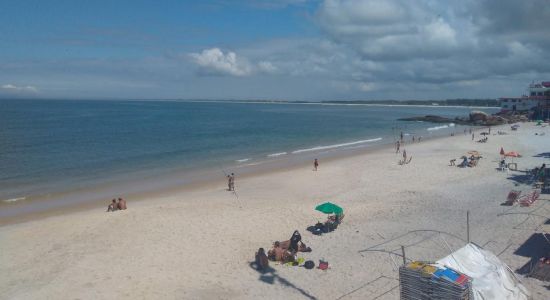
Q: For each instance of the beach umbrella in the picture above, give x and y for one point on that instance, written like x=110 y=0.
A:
x=512 y=154
x=329 y=208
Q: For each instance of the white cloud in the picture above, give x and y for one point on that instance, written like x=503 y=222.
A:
x=18 y=89
x=267 y=67
x=215 y=62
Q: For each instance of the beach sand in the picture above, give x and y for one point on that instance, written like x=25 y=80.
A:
x=199 y=243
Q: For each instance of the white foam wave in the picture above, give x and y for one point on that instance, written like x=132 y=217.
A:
x=335 y=146
x=14 y=199
x=242 y=160
x=438 y=127
x=277 y=154
x=441 y=127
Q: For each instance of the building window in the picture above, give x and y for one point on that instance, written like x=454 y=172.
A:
x=513 y=100
x=539 y=94
x=533 y=93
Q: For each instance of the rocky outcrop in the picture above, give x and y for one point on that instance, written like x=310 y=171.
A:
x=478 y=118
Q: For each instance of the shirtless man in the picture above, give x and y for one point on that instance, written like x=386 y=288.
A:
x=121 y=204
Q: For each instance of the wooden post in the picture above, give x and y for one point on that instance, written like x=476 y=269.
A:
x=403 y=252
x=468 y=226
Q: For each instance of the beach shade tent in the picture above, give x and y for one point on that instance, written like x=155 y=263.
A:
x=492 y=279
x=512 y=154
x=329 y=208
x=474 y=153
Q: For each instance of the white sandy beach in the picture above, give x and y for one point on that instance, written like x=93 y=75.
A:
x=199 y=244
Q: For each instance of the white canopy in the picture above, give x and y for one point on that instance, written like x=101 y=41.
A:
x=491 y=278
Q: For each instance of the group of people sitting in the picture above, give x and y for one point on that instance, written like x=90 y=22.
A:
x=114 y=205
x=285 y=251
x=483 y=140
x=465 y=162
x=329 y=225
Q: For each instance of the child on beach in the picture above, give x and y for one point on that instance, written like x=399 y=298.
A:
x=315 y=164
x=112 y=206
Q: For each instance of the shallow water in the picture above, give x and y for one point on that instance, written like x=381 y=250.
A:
x=48 y=146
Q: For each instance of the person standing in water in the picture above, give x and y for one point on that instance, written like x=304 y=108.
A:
x=315 y=164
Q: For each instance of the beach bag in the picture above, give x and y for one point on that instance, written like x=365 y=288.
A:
x=323 y=265
x=309 y=265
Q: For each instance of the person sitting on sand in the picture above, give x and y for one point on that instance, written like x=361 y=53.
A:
x=262 y=263
x=294 y=240
x=121 y=204
x=112 y=206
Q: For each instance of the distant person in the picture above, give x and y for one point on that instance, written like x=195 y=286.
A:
x=121 y=205
x=413 y=138
x=420 y=137
x=473 y=135
x=315 y=164
x=401 y=136
x=112 y=206
x=229 y=182
x=232 y=181
x=464 y=131
x=404 y=155
x=397 y=146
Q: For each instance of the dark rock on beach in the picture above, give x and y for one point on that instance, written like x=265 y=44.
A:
x=477 y=118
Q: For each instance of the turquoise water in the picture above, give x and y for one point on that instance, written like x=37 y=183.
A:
x=50 y=145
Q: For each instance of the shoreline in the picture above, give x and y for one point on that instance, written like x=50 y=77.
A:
x=200 y=243
x=208 y=178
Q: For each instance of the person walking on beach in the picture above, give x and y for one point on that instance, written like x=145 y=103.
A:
x=229 y=182
x=401 y=136
x=315 y=164
x=404 y=155
x=472 y=136
x=397 y=146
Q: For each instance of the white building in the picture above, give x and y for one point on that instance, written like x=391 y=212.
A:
x=538 y=95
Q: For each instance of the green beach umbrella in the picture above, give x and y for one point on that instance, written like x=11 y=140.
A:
x=329 y=208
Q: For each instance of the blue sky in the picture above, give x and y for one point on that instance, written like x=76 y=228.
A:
x=260 y=49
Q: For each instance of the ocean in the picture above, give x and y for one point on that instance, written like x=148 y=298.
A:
x=51 y=146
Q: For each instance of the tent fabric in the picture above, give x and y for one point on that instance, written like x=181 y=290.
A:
x=492 y=279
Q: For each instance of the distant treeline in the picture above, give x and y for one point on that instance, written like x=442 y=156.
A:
x=446 y=102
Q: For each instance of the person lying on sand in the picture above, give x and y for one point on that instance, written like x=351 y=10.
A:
x=112 y=206
x=278 y=253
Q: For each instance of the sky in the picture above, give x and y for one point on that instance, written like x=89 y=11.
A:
x=311 y=50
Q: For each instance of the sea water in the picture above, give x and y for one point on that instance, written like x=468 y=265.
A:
x=47 y=146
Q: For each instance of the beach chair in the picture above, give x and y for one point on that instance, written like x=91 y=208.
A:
x=512 y=197
x=529 y=199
